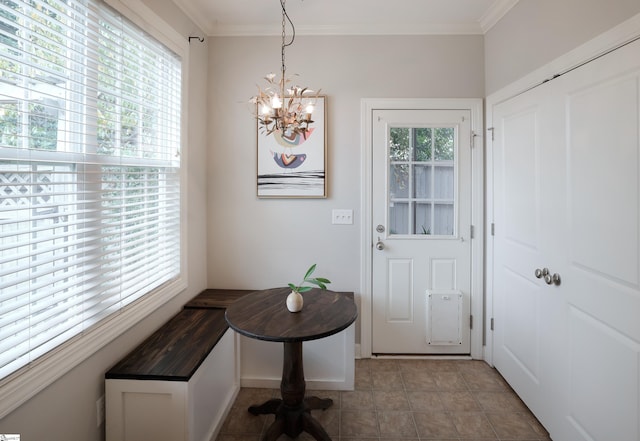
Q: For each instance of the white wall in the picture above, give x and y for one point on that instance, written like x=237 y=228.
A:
x=260 y=243
x=66 y=410
x=535 y=32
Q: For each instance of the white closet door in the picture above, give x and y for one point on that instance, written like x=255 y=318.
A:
x=601 y=272
x=567 y=197
x=528 y=333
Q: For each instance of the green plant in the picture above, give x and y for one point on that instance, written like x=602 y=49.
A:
x=321 y=282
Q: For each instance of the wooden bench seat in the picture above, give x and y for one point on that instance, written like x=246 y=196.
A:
x=176 y=350
x=216 y=298
x=180 y=382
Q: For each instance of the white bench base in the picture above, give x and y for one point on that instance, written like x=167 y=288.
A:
x=194 y=410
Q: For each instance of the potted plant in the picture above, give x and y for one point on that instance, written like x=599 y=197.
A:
x=294 y=299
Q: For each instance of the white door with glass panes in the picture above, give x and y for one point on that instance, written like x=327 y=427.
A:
x=421 y=214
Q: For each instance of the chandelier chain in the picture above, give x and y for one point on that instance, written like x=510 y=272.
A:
x=285 y=18
x=282 y=3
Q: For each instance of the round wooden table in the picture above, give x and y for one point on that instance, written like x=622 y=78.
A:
x=263 y=315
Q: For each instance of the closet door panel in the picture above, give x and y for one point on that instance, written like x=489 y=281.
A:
x=601 y=283
x=603 y=178
x=602 y=383
x=523 y=304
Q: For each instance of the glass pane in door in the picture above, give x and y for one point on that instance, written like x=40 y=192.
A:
x=398 y=218
x=444 y=144
x=422 y=181
x=443 y=182
x=443 y=219
x=422 y=218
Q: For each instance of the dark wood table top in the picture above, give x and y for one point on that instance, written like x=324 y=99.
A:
x=263 y=315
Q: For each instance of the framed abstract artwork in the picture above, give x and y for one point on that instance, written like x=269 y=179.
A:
x=295 y=168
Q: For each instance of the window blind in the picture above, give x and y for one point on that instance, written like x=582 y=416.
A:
x=89 y=171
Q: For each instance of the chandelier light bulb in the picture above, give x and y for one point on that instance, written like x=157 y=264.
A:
x=276 y=102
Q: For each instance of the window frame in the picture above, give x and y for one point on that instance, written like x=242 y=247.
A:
x=20 y=386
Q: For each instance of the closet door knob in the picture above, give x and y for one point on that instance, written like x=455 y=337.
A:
x=540 y=273
x=552 y=279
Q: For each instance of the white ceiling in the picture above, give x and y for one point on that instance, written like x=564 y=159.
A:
x=346 y=17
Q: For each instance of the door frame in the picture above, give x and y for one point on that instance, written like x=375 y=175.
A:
x=474 y=105
x=617 y=36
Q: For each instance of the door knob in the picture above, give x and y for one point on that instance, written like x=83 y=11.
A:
x=379 y=245
x=550 y=279
x=540 y=273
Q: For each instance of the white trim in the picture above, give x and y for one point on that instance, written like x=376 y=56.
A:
x=493 y=15
x=495 y=12
x=624 y=32
x=195 y=14
x=24 y=384
x=16 y=389
x=221 y=30
x=620 y=34
x=368 y=105
x=145 y=18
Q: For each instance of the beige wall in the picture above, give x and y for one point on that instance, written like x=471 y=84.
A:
x=255 y=243
x=66 y=410
x=258 y=243
x=535 y=32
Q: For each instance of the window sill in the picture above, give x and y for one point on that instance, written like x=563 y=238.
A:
x=24 y=384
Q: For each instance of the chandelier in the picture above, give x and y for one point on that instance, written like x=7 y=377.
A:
x=283 y=109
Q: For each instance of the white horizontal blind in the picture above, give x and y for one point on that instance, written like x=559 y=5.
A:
x=89 y=171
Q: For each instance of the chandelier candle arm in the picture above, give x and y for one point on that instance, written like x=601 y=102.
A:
x=280 y=108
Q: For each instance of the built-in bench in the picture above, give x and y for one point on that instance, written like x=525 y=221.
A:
x=180 y=382
x=216 y=298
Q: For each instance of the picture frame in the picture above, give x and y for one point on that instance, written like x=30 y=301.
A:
x=294 y=169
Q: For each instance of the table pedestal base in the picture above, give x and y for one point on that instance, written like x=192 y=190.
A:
x=293 y=420
x=293 y=411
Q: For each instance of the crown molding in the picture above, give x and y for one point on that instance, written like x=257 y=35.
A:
x=213 y=29
x=493 y=15
x=349 y=30
x=196 y=16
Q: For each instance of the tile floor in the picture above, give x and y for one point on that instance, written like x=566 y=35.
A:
x=408 y=400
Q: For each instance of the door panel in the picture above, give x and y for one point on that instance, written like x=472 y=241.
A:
x=597 y=155
x=519 y=307
x=602 y=289
x=572 y=351
x=603 y=381
x=399 y=305
x=421 y=214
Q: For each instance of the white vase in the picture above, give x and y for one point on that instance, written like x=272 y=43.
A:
x=294 y=301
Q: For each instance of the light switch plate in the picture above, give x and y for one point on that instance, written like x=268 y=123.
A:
x=342 y=217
